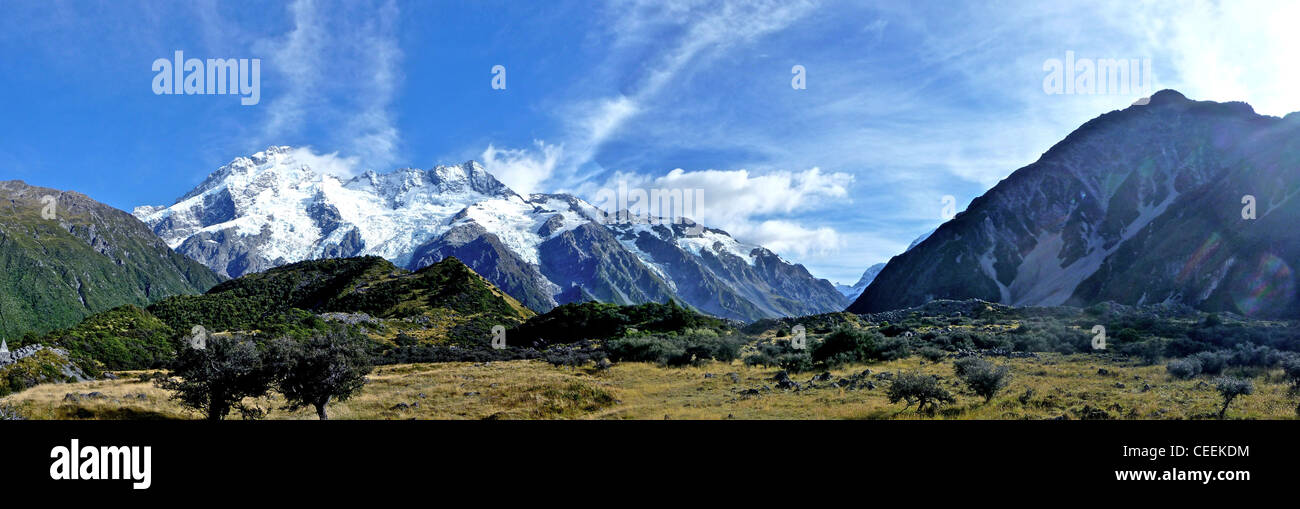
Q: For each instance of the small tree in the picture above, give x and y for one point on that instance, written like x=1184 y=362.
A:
x=918 y=388
x=331 y=366
x=217 y=376
x=1291 y=365
x=982 y=376
x=1230 y=388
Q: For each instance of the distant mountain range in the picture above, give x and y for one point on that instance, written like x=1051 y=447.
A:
x=84 y=258
x=271 y=209
x=852 y=292
x=1139 y=206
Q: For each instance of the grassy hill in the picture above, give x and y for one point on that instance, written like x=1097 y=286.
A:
x=445 y=303
x=370 y=285
x=88 y=258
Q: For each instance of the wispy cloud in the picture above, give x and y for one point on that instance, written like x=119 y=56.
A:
x=337 y=70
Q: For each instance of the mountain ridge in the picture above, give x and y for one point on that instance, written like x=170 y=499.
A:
x=272 y=208
x=86 y=258
x=1137 y=206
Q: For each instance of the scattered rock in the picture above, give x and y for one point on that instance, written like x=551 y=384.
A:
x=1090 y=413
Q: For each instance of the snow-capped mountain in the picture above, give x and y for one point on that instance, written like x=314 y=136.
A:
x=852 y=292
x=272 y=208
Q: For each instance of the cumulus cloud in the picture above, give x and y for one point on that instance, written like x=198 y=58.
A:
x=522 y=170
x=790 y=238
x=329 y=163
x=759 y=209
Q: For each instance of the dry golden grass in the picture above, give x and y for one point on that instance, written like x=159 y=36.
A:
x=1061 y=385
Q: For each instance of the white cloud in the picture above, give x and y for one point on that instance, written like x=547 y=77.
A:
x=754 y=208
x=707 y=30
x=327 y=164
x=789 y=238
x=297 y=57
x=522 y=170
x=310 y=63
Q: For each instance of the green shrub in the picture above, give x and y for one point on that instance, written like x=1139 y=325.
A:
x=846 y=345
x=932 y=354
x=1291 y=366
x=1230 y=388
x=694 y=347
x=1213 y=363
x=919 y=388
x=981 y=376
x=1184 y=369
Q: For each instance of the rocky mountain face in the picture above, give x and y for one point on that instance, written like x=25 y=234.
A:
x=1139 y=206
x=65 y=256
x=271 y=209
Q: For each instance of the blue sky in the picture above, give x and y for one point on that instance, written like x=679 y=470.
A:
x=906 y=102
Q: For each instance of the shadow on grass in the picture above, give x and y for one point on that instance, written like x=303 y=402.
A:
x=119 y=413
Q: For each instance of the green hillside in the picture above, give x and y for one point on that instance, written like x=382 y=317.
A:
x=369 y=285
x=88 y=258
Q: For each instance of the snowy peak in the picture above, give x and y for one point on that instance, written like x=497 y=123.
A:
x=852 y=292
x=245 y=169
x=444 y=183
x=274 y=208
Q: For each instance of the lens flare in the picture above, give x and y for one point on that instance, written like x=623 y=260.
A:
x=1202 y=253
x=1267 y=289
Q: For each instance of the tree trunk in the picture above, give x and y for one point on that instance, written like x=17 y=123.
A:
x=320 y=409
x=217 y=412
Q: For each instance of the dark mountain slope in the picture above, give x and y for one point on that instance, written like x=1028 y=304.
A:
x=1137 y=206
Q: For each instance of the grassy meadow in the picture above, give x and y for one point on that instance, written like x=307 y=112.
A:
x=1048 y=387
